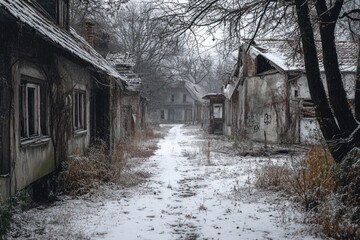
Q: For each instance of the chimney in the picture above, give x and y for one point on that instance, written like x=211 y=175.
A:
x=89 y=32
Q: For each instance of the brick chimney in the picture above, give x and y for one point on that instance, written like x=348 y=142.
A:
x=89 y=32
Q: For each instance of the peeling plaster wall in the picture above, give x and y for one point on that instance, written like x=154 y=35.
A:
x=33 y=160
x=307 y=129
x=264 y=107
x=76 y=77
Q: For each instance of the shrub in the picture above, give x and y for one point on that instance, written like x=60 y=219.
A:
x=310 y=181
x=5 y=219
x=273 y=177
x=81 y=173
x=312 y=178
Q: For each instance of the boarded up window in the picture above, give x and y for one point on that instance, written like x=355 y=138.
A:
x=307 y=108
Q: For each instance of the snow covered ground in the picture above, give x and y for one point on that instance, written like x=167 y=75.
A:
x=190 y=193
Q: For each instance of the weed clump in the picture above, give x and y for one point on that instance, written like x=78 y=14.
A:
x=82 y=173
x=311 y=182
x=5 y=219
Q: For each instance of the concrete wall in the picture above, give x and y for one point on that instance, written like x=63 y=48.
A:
x=264 y=107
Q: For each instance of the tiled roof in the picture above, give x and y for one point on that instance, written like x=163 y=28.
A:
x=288 y=55
x=25 y=12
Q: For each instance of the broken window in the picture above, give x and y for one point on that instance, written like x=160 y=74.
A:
x=32 y=110
x=79 y=110
x=184 y=98
x=262 y=65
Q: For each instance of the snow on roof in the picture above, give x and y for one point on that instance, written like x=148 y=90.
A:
x=287 y=54
x=133 y=82
x=26 y=13
x=196 y=90
x=214 y=96
x=120 y=60
x=123 y=59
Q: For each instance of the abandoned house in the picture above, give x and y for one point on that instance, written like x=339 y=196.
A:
x=267 y=96
x=180 y=102
x=57 y=94
x=133 y=102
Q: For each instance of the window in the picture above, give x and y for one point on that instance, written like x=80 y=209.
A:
x=218 y=110
x=172 y=97
x=184 y=98
x=32 y=110
x=262 y=65
x=162 y=115
x=79 y=110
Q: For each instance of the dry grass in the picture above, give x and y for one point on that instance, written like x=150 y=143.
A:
x=141 y=146
x=81 y=174
x=273 y=177
x=310 y=182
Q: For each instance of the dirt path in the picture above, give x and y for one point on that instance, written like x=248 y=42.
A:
x=191 y=194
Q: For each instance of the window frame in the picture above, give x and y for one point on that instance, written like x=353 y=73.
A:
x=79 y=110
x=184 y=98
x=30 y=125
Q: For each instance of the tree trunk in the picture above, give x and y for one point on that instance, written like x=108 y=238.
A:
x=357 y=85
x=336 y=90
x=339 y=147
x=323 y=111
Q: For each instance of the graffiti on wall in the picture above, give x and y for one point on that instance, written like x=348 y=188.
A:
x=267 y=119
x=253 y=123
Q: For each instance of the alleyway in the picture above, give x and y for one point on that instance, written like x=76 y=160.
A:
x=191 y=193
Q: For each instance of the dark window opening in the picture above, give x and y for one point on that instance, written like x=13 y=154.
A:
x=32 y=109
x=296 y=93
x=172 y=97
x=79 y=110
x=162 y=115
x=262 y=64
x=184 y=98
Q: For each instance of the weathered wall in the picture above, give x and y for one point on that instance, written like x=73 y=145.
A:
x=34 y=158
x=307 y=129
x=264 y=107
x=76 y=77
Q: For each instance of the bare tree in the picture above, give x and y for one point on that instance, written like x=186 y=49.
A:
x=250 y=18
x=147 y=38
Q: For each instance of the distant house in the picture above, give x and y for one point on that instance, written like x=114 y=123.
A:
x=134 y=103
x=57 y=94
x=267 y=96
x=180 y=102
